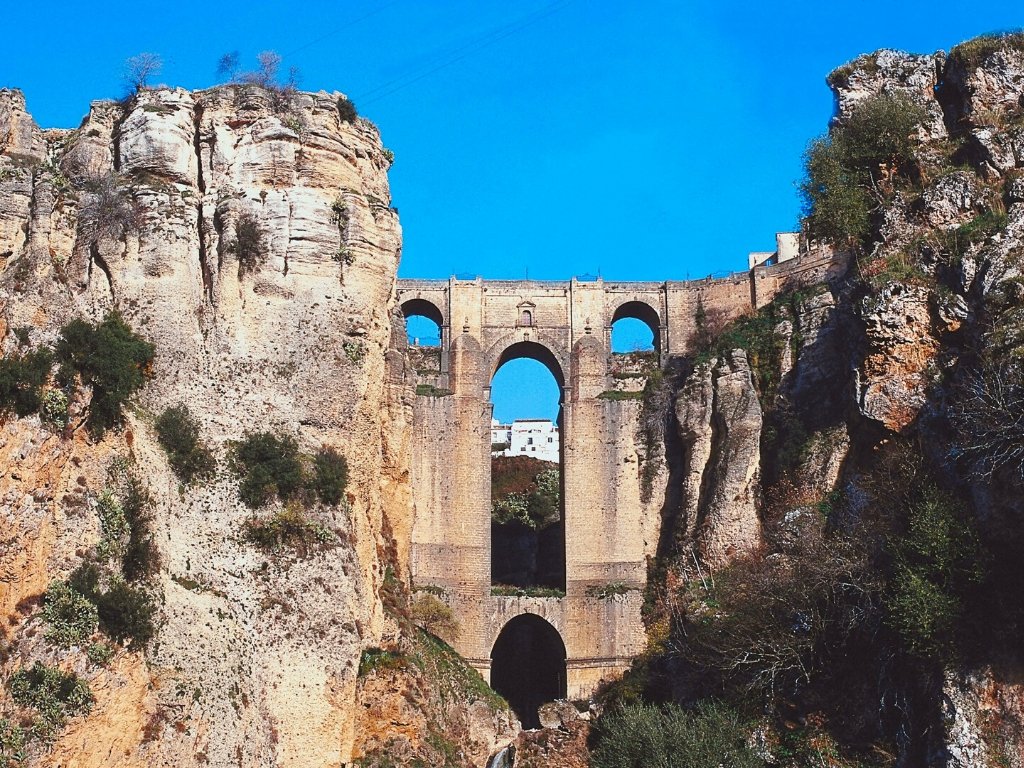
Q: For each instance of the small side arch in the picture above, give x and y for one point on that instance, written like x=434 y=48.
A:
x=420 y=307
x=642 y=311
x=528 y=666
x=423 y=308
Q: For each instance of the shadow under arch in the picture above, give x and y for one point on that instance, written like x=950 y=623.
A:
x=528 y=666
x=645 y=313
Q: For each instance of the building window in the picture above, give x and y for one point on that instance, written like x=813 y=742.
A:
x=529 y=441
x=550 y=440
x=526 y=318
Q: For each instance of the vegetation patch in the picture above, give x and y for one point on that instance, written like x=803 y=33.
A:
x=434 y=615
x=506 y=590
x=974 y=52
x=22 y=378
x=643 y=735
x=526 y=491
x=850 y=171
x=72 y=617
x=110 y=358
x=249 y=245
x=380 y=659
x=267 y=465
x=605 y=591
x=616 y=394
x=429 y=390
x=54 y=697
x=330 y=476
x=189 y=456
x=289 y=528
x=126 y=613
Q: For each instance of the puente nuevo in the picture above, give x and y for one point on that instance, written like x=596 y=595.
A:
x=531 y=648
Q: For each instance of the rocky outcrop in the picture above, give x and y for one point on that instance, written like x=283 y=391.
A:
x=138 y=210
x=902 y=346
x=720 y=418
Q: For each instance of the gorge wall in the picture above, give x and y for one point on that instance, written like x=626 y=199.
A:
x=257 y=657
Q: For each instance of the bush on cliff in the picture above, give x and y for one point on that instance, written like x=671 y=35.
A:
x=640 y=736
x=54 y=695
x=126 y=613
x=249 y=245
x=267 y=466
x=178 y=433
x=849 y=171
x=111 y=359
x=22 y=377
x=330 y=475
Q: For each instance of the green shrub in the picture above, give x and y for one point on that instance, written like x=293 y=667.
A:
x=249 y=245
x=71 y=616
x=111 y=359
x=374 y=659
x=113 y=527
x=22 y=377
x=710 y=736
x=937 y=563
x=347 y=110
x=127 y=614
x=330 y=475
x=434 y=615
x=54 y=408
x=267 y=465
x=972 y=53
x=141 y=558
x=288 y=527
x=100 y=654
x=860 y=157
x=12 y=743
x=189 y=457
x=54 y=695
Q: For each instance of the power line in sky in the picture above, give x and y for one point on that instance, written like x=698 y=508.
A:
x=416 y=74
x=345 y=26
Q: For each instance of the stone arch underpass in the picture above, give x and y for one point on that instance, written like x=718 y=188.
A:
x=611 y=510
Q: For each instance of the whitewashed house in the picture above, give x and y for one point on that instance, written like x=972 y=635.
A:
x=525 y=437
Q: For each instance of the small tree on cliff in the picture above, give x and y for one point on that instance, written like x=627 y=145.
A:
x=853 y=169
x=139 y=70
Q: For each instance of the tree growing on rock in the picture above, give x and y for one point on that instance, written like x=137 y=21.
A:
x=139 y=70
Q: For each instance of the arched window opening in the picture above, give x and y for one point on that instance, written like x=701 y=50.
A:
x=526 y=318
x=636 y=345
x=636 y=327
x=631 y=335
x=423 y=322
x=527 y=519
x=528 y=666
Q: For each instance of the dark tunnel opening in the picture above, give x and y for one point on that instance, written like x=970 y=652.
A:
x=528 y=666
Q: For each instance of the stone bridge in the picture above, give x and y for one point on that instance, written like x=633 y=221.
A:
x=611 y=521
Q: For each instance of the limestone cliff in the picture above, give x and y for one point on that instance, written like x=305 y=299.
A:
x=141 y=210
x=794 y=439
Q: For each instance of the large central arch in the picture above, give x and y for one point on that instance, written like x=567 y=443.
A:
x=528 y=555
x=528 y=666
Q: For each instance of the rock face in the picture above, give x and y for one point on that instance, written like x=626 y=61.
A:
x=719 y=418
x=139 y=210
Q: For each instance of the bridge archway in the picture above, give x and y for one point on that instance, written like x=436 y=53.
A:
x=528 y=666
x=427 y=334
x=527 y=478
x=642 y=312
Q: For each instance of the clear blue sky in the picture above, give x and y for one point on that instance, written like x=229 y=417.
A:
x=543 y=137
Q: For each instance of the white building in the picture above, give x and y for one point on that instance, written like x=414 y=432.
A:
x=526 y=437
